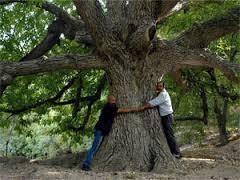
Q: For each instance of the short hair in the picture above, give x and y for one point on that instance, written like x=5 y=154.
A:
x=162 y=82
x=111 y=96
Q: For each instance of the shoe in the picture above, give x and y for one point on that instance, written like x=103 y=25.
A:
x=178 y=156
x=85 y=168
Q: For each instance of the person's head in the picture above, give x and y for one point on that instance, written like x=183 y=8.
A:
x=111 y=99
x=160 y=86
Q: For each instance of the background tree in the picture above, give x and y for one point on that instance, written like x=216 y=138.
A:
x=123 y=42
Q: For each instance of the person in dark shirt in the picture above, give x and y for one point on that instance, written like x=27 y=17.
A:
x=103 y=127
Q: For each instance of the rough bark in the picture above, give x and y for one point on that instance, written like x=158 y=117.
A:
x=93 y=15
x=155 y=9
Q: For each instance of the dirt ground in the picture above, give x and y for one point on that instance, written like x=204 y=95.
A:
x=199 y=163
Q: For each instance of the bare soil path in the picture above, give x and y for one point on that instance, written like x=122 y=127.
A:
x=210 y=162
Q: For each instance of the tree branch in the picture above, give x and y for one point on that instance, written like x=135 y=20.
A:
x=139 y=10
x=184 y=5
x=71 y=27
x=143 y=16
x=181 y=5
x=57 y=11
x=40 y=103
x=49 y=102
x=8 y=71
x=96 y=97
x=74 y=28
x=71 y=101
x=77 y=101
x=6 y=2
x=52 y=8
x=203 y=58
x=188 y=58
x=53 y=100
x=163 y=8
x=92 y=14
x=154 y=9
x=54 y=31
x=201 y=34
x=221 y=90
x=116 y=9
x=204 y=104
x=52 y=64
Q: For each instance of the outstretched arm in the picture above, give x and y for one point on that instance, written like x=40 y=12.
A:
x=127 y=110
x=145 y=106
x=154 y=102
x=135 y=109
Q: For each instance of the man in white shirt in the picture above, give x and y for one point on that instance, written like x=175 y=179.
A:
x=164 y=104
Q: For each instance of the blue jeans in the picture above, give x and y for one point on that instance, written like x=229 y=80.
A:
x=98 y=137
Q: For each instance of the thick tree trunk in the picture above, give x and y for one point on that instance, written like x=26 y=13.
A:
x=136 y=141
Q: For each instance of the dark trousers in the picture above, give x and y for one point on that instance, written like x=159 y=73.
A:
x=167 y=122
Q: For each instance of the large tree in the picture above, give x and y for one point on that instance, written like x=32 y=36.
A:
x=122 y=35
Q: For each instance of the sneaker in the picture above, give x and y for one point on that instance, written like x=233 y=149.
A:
x=85 y=168
x=178 y=156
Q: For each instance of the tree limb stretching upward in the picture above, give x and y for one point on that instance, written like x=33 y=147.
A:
x=54 y=30
x=73 y=27
x=52 y=38
x=154 y=9
x=162 y=8
x=116 y=9
x=92 y=14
